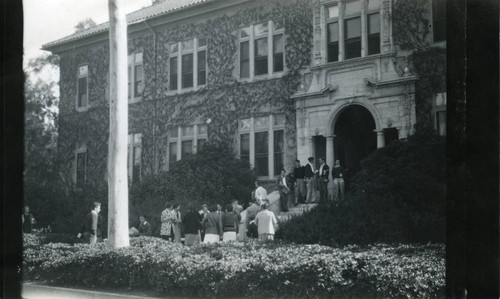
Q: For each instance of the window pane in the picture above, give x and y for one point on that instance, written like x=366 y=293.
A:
x=139 y=82
x=333 y=11
x=173 y=132
x=373 y=4
x=137 y=155
x=278 y=49
x=173 y=73
x=262 y=122
x=187 y=70
x=279 y=120
x=138 y=57
x=137 y=138
x=374 y=34
x=202 y=77
x=245 y=32
x=333 y=32
x=353 y=28
x=83 y=70
x=279 y=142
x=278 y=45
x=187 y=131
x=373 y=23
x=245 y=124
x=278 y=24
x=187 y=148
x=244 y=59
x=202 y=41
x=439 y=20
x=352 y=7
x=261 y=153
x=245 y=147
x=187 y=45
x=82 y=92
x=129 y=78
x=333 y=45
x=353 y=38
x=260 y=29
x=261 y=56
x=174 y=48
x=202 y=129
x=172 y=152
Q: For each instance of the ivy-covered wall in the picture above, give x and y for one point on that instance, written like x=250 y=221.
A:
x=224 y=99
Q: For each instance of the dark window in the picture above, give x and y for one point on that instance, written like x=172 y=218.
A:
x=261 y=153
x=138 y=80
x=373 y=34
x=244 y=59
x=173 y=73
x=136 y=166
x=81 y=167
x=187 y=70
x=172 y=153
x=278 y=49
x=333 y=42
x=441 y=123
x=353 y=38
x=245 y=147
x=82 y=92
x=187 y=148
x=439 y=20
x=261 y=56
x=279 y=145
x=202 y=67
x=200 y=144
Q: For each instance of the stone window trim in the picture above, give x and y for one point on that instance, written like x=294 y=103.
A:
x=341 y=19
x=134 y=165
x=251 y=39
x=252 y=129
x=82 y=73
x=432 y=20
x=80 y=150
x=135 y=60
x=178 y=54
x=439 y=105
x=199 y=132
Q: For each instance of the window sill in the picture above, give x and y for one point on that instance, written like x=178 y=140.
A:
x=184 y=90
x=135 y=100
x=82 y=109
x=258 y=78
x=347 y=62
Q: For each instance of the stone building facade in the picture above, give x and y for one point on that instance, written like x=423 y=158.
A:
x=276 y=80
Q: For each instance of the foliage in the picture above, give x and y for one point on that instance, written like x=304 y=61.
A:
x=398 y=196
x=211 y=176
x=84 y=25
x=244 y=269
x=411 y=24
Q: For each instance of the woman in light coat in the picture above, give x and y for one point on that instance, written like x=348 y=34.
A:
x=167 y=218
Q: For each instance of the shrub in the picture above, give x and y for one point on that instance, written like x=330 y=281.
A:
x=244 y=269
x=211 y=176
x=398 y=196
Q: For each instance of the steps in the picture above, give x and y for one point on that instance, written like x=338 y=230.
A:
x=295 y=211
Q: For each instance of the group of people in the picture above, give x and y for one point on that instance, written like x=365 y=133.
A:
x=301 y=185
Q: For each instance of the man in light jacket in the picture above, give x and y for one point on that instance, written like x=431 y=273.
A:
x=266 y=223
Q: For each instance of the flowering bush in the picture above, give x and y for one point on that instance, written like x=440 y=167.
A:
x=244 y=269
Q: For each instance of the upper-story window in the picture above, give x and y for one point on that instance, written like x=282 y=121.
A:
x=352 y=29
x=135 y=76
x=440 y=113
x=262 y=49
x=188 y=64
x=439 y=20
x=82 y=87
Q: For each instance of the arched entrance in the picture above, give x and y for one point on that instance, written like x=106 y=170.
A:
x=354 y=137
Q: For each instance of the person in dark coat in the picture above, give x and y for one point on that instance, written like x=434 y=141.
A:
x=299 y=183
x=309 y=175
x=28 y=220
x=252 y=211
x=213 y=227
x=90 y=229
x=144 y=227
x=192 y=227
x=324 y=172
x=230 y=224
x=338 y=181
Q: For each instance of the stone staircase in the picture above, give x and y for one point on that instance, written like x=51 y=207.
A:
x=295 y=211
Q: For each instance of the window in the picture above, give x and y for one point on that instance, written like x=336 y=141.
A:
x=262 y=49
x=350 y=43
x=81 y=168
x=183 y=141
x=440 y=113
x=134 y=157
x=191 y=70
x=266 y=152
x=135 y=76
x=439 y=20
x=82 y=86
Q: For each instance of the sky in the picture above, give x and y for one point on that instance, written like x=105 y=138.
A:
x=49 y=20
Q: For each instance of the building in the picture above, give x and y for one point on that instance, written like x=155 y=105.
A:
x=277 y=80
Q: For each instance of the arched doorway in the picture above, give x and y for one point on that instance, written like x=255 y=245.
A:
x=354 y=137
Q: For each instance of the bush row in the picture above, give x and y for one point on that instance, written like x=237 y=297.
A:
x=244 y=269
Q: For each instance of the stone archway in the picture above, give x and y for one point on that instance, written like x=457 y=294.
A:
x=354 y=129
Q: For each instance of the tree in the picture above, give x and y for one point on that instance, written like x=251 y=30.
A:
x=118 y=128
x=84 y=25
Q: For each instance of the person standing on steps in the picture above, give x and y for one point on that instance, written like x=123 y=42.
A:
x=260 y=193
x=338 y=181
x=309 y=174
x=300 y=184
x=324 y=172
x=283 y=183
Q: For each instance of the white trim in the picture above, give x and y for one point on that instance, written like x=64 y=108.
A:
x=78 y=77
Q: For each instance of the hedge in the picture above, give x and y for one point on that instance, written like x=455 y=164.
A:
x=243 y=269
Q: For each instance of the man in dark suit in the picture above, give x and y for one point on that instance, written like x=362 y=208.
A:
x=299 y=183
x=324 y=171
x=90 y=230
x=144 y=227
x=310 y=180
x=284 y=186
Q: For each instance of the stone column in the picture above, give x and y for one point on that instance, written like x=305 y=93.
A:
x=364 y=29
x=380 y=138
x=311 y=147
x=341 y=30
x=330 y=161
